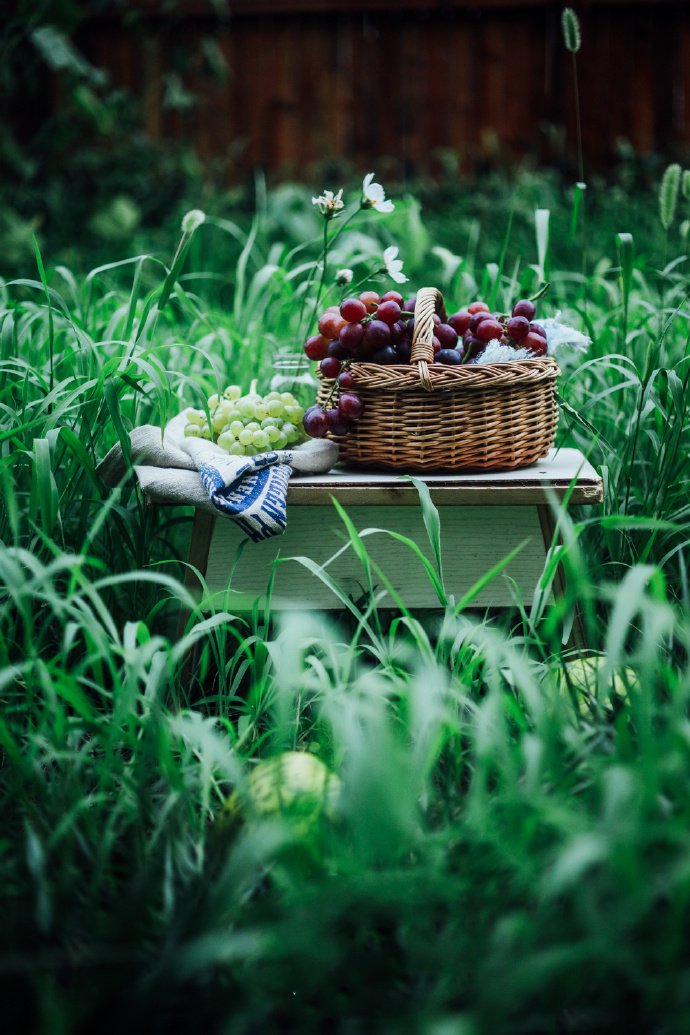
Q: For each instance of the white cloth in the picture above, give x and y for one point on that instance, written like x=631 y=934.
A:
x=175 y=470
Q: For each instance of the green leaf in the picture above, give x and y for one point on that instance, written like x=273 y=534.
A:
x=112 y=401
x=44 y=487
x=432 y=523
x=474 y=590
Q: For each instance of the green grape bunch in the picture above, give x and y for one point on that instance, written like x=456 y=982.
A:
x=244 y=425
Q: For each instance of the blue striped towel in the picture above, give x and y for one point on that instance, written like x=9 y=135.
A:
x=250 y=489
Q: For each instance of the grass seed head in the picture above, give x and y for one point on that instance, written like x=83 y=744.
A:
x=571 y=30
x=668 y=194
x=192 y=220
x=685 y=184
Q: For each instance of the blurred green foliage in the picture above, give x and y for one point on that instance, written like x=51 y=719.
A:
x=78 y=170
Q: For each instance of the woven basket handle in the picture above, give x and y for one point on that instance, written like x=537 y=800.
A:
x=429 y=300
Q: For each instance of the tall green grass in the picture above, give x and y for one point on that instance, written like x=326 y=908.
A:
x=508 y=847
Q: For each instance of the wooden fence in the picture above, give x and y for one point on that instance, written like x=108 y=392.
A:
x=287 y=84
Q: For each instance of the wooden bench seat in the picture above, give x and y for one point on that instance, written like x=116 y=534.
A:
x=483 y=517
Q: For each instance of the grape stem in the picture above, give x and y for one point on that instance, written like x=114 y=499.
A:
x=335 y=389
x=541 y=292
x=331 y=394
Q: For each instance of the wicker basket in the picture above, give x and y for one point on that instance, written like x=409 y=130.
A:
x=423 y=416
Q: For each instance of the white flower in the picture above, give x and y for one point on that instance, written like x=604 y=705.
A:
x=343 y=276
x=374 y=196
x=393 y=266
x=328 y=203
x=560 y=337
x=497 y=352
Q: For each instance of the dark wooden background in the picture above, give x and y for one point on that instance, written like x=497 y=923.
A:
x=367 y=80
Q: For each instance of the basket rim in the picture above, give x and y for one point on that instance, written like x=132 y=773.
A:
x=397 y=377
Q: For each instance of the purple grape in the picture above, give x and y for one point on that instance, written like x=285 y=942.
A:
x=352 y=310
x=316 y=347
x=377 y=334
x=447 y=335
x=389 y=312
x=351 y=335
x=330 y=367
x=350 y=405
x=524 y=308
x=338 y=423
x=404 y=351
x=398 y=332
x=477 y=318
x=460 y=321
x=448 y=356
x=385 y=355
x=535 y=343
x=410 y=304
x=315 y=422
x=346 y=380
x=518 y=327
x=337 y=350
x=489 y=329
x=536 y=328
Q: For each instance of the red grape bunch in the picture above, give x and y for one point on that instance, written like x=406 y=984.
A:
x=477 y=326
x=372 y=328
x=375 y=328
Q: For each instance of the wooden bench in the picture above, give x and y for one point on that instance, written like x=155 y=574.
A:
x=483 y=517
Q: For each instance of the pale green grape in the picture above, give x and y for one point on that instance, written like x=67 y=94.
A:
x=260 y=440
x=226 y=439
x=294 y=414
x=245 y=424
x=195 y=416
x=247 y=406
